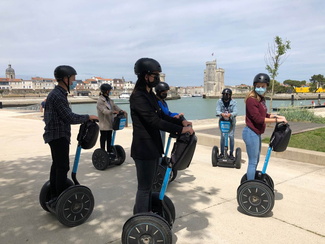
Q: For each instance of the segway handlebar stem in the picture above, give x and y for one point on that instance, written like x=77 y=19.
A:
x=75 y=166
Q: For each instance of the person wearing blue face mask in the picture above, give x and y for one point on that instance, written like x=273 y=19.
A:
x=58 y=118
x=256 y=119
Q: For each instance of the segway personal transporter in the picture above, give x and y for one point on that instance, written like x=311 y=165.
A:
x=256 y=197
x=224 y=160
x=101 y=158
x=156 y=227
x=75 y=204
x=162 y=168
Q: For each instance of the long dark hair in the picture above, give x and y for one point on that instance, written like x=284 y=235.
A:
x=140 y=84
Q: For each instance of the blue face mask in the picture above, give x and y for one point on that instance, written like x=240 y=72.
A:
x=73 y=85
x=260 y=90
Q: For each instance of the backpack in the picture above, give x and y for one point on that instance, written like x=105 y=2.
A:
x=280 y=137
x=183 y=150
x=119 y=121
x=88 y=134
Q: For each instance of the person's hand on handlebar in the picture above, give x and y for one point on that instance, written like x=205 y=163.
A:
x=281 y=119
x=93 y=117
x=187 y=129
x=186 y=123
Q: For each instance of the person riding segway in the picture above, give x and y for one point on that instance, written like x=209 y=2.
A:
x=161 y=90
x=58 y=118
x=111 y=119
x=227 y=111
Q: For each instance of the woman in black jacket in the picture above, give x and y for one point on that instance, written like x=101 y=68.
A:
x=147 y=121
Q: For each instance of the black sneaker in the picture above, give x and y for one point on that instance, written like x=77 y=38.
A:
x=231 y=156
x=221 y=156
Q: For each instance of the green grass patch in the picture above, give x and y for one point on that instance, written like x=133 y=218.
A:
x=310 y=140
x=301 y=114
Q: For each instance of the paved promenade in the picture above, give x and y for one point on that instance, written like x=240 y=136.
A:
x=204 y=196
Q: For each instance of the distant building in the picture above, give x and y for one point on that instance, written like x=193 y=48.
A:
x=43 y=83
x=162 y=77
x=214 y=81
x=10 y=73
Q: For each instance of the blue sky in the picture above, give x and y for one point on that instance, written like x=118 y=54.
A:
x=105 y=37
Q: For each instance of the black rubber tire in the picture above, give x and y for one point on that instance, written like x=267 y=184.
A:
x=120 y=154
x=146 y=228
x=160 y=209
x=100 y=159
x=158 y=181
x=214 y=156
x=238 y=158
x=258 y=176
x=75 y=205
x=173 y=175
x=45 y=194
x=255 y=198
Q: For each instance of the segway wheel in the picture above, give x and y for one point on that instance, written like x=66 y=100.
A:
x=100 y=159
x=259 y=176
x=238 y=158
x=75 y=205
x=146 y=228
x=166 y=210
x=120 y=154
x=215 y=153
x=158 y=181
x=45 y=194
x=255 y=198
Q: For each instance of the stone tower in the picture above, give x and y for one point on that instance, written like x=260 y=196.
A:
x=10 y=72
x=214 y=81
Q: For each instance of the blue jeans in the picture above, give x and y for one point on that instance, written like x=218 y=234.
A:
x=253 y=148
x=231 y=136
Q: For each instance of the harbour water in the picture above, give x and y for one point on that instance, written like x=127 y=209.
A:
x=194 y=108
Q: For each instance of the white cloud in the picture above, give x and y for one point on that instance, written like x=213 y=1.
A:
x=105 y=38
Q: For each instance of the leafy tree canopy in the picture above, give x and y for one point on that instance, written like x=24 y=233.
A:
x=294 y=83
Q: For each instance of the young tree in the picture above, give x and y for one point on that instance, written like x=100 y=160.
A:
x=275 y=56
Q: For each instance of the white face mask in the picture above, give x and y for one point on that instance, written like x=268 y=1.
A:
x=260 y=90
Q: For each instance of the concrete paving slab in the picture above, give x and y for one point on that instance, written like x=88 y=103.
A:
x=204 y=196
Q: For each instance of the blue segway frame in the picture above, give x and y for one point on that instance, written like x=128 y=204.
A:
x=75 y=165
x=225 y=128
x=121 y=127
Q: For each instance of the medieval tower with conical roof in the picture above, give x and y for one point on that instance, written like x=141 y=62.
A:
x=10 y=72
x=214 y=81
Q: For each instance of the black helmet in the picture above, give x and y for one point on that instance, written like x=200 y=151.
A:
x=261 y=78
x=162 y=86
x=105 y=87
x=227 y=91
x=64 y=71
x=146 y=66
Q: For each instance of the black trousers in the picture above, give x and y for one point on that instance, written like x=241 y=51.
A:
x=105 y=138
x=146 y=173
x=60 y=166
